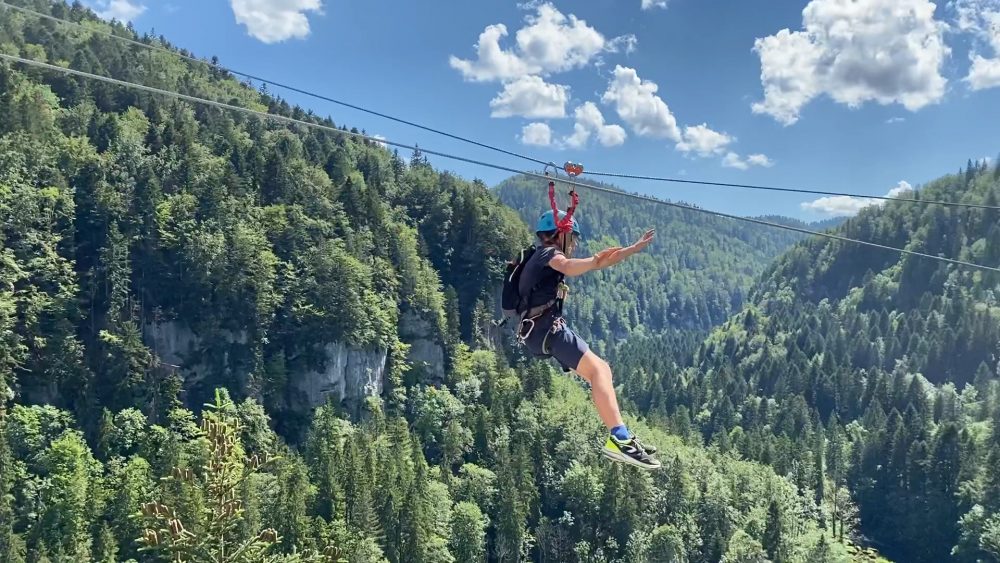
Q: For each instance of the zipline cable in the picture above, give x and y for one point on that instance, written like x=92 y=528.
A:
x=292 y=120
x=273 y=83
x=463 y=139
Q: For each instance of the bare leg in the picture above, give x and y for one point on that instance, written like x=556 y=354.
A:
x=597 y=372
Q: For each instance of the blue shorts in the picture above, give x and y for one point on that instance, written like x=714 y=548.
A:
x=560 y=343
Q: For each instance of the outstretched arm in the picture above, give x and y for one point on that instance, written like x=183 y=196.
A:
x=604 y=259
x=572 y=267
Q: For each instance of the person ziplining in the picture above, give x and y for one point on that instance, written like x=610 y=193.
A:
x=534 y=292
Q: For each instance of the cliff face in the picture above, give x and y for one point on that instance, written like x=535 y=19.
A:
x=426 y=352
x=349 y=374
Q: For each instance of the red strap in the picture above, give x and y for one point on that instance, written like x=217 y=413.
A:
x=565 y=224
x=552 y=201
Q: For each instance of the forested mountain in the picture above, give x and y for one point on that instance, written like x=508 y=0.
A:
x=693 y=278
x=227 y=340
x=868 y=374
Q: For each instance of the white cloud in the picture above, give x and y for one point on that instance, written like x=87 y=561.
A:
x=549 y=42
x=625 y=43
x=845 y=206
x=121 y=10
x=893 y=120
x=493 y=62
x=734 y=160
x=854 y=51
x=590 y=121
x=985 y=73
x=380 y=140
x=531 y=97
x=901 y=188
x=639 y=106
x=556 y=42
x=838 y=206
x=760 y=160
x=704 y=141
x=539 y=134
x=273 y=21
x=982 y=18
x=650 y=4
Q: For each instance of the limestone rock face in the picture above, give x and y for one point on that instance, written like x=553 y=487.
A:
x=426 y=352
x=348 y=374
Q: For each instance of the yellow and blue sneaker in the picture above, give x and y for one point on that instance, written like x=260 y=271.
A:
x=630 y=451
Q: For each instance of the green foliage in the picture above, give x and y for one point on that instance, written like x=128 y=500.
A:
x=468 y=532
x=226 y=468
x=744 y=549
x=155 y=256
x=869 y=377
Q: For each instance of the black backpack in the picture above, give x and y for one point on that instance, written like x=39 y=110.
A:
x=512 y=302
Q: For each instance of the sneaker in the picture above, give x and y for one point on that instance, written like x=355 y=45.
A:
x=630 y=452
x=651 y=450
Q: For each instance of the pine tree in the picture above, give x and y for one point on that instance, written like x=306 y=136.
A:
x=822 y=553
x=106 y=549
x=820 y=473
x=468 y=532
x=991 y=493
x=290 y=516
x=511 y=513
x=8 y=547
x=774 y=533
x=416 y=524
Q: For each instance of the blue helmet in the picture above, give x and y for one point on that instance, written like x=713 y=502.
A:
x=546 y=223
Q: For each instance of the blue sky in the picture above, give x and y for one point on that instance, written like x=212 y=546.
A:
x=843 y=95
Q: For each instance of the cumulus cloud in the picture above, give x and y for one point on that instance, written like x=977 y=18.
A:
x=121 y=10
x=982 y=19
x=893 y=120
x=854 y=51
x=734 y=160
x=273 y=21
x=493 y=63
x=549 y=42
x=650 y=4
x=639 y=107
x=845 y=206
x=703 y=141
x=538 y=134
x=760 y=160
x=985 y=73
x=531 y=97
x=901 y=188
x=590 y=122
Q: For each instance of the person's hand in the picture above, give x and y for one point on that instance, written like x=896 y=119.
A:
x=606 y=257
x=606 y=253
x=645 y=241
